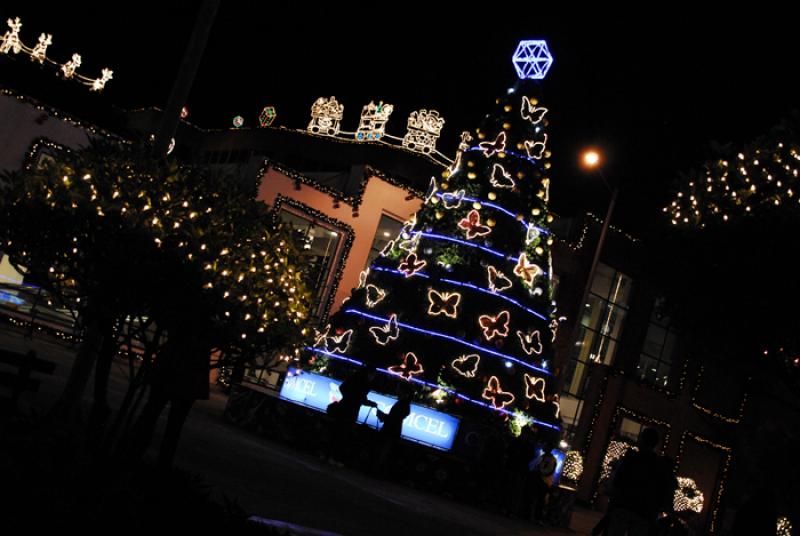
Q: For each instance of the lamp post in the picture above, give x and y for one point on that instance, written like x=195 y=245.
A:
x=590 y=160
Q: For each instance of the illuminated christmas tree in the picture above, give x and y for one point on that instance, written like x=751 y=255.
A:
x=460 y=303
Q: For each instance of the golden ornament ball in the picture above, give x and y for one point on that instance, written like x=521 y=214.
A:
x=519 y=217
x=506 y=126
x=501 y=154
x=439 y=215
x=536 y=212
x=470 y=163
x=490 y=222
x=549 y=218
x=481 y=136
x=446 y=173
x=476 y=205
x=507 y=108
x=471 y=175
x=520 y=175
x=520 y=147
x=539 y=250
x=444 y=186
x=492 y=196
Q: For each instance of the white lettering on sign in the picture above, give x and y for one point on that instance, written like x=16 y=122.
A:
x=428 y=425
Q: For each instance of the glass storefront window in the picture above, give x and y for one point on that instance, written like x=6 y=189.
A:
x=319 y=247
x=658 y=351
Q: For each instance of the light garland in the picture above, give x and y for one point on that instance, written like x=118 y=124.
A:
x=470 y=286
x=466 y=365
x=11 y=43
x=266 y=117
x=532 y=59
x=434 y=386
x=443 y=303
x=493 y=392
x=424 y=128
x=437 y=334
x=489 y=325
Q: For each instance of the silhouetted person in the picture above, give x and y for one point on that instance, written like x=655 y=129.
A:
x=643 y=486
x=758 y=514
x=541 y=479
x=345 y=412
x=519 y=454
x=389 y=434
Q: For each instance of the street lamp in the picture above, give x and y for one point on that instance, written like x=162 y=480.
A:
x=591 y=160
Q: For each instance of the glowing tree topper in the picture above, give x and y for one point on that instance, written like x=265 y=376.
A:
x=326 y=114
x=424 y=128
x=532 y=59
x=372 y=124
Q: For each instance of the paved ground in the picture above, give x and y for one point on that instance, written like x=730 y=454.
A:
x=270 y=480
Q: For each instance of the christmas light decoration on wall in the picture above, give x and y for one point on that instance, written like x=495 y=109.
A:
x=326 y=114
x=443 y=303
x=466 y=365
x=372 y=125
x=532 y=59
x=10 y=43
x=687 y=496
x=424 y=128
x=267 y=116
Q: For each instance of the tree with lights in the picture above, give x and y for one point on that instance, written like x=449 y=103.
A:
x=734 y=289
x=459 y=305
x=116 y=234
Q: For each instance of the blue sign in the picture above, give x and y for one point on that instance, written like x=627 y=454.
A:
x=423 y=425
x=559 y=455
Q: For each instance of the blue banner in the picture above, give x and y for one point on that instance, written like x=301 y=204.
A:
x=423 y=425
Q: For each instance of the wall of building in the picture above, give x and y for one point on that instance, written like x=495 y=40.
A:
x=379 y=198
x=24 y=122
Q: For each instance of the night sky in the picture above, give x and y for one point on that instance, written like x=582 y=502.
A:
x=651 y=88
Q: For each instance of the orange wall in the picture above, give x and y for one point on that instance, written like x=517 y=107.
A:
x=380 y=197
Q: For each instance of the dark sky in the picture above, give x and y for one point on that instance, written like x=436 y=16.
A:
x=651 y=88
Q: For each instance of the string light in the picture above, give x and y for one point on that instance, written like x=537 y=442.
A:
x=410 y=367
x=687 y=496
x=534 y=388
x=499 y=398
x=443 y=303
x=531 y=342
x=466 y=365
x=573 y=466
x=493 y=326
x=447 y=337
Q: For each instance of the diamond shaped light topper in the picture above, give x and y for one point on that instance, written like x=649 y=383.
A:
x=532 y=59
